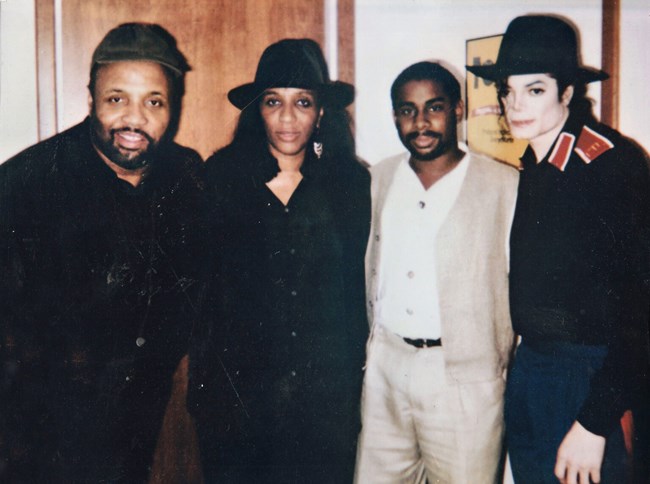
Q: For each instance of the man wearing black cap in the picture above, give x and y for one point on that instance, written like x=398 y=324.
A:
x=96 y=283
x=579 y=264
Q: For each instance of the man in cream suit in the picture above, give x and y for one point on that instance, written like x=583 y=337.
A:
x=437 y=295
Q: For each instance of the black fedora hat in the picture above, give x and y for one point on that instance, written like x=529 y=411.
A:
x=293 y=63
x=539 y=44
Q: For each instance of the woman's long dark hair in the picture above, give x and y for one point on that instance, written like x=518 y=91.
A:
x=335 y=133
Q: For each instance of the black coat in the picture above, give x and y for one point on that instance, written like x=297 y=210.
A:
x=97 y=307
x=580 y=259
x=276 y=377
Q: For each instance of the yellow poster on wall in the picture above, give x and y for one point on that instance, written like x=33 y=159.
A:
x=487 y=131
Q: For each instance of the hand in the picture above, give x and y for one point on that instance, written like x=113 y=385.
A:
x=580 y=456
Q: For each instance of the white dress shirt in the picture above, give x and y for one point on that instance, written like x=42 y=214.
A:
x=411 y=217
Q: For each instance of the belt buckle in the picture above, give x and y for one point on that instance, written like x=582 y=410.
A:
x=423 y=343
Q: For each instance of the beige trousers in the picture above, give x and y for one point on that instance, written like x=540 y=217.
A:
x=417 y=423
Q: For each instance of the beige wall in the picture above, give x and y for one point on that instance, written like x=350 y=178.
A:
x=18 y=122
x=634 y=107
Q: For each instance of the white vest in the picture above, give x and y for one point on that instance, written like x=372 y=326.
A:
x=472 y=267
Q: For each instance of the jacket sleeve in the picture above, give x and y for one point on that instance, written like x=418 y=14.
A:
x=23 y=420
x=625 y=196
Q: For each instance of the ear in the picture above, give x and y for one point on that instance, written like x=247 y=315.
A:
x=567 y=95
x=459 y=110
x=90 y=102
x=320 y=115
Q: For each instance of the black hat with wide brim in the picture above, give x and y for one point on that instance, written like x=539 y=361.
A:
x=295 y=63
x=536 y=44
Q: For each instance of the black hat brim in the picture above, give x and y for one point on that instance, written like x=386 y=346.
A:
x=496 y=72
x=337 y=94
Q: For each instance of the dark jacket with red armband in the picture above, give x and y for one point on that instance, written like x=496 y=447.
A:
x=580 y=250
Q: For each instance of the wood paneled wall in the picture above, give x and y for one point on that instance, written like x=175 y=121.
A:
x=610 y=62
x=222 y=39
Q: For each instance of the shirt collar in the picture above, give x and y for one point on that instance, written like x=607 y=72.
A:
x=560 y=151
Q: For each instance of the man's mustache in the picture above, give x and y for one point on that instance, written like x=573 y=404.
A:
x=132 y=130
x=415 y=134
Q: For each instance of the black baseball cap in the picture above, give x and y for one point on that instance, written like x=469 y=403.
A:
x=141 y=41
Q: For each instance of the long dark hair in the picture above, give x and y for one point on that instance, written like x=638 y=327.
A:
x=335 y=133
x=580 y=105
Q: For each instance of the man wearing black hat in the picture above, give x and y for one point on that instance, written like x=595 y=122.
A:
x=579 y=264
x=96 y=283
x=437 y=295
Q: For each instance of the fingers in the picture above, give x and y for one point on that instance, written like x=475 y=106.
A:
x=595 y=476
x=561 y=470
x=567 y=474
x=579 y=456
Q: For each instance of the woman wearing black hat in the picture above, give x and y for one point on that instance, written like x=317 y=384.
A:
x=579 y=256
x=276 y=376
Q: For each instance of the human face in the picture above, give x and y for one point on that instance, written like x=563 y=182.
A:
x=533 y=108
x=426 y=120
x=130 y=112
x=290 y=116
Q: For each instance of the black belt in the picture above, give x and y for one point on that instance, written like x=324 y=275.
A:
x=424 y=343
